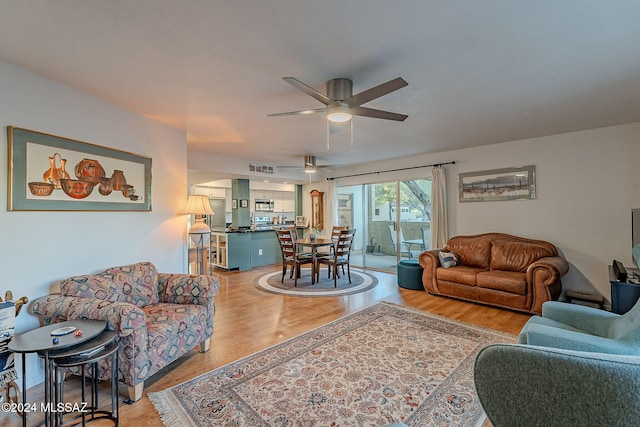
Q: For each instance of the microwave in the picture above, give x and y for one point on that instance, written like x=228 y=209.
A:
x=264 y=205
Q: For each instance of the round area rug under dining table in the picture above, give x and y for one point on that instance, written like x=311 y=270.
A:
x=360 y=282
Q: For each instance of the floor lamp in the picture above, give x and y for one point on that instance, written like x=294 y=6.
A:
x=199 y=231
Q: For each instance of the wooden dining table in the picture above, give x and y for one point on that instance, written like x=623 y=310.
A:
x=314 y=245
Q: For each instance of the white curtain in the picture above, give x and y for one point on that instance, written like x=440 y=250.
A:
x=331 y=207
x=439 y=227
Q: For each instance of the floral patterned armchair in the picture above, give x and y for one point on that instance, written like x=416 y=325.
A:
x=158 y=317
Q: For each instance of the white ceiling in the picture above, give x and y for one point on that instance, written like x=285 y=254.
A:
x=479 y=72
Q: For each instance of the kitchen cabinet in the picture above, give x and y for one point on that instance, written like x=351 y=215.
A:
x=231 y=251
x=288 y=201
x=219 y=250
x=239 y=251
x=284 y=202
x=265 y=249
x=243 y=251
x=278 y=201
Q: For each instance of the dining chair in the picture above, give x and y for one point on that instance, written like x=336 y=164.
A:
x=290 y=256
x=340 y=257
x=335 y=233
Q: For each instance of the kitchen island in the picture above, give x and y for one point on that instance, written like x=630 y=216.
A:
x=245 y=249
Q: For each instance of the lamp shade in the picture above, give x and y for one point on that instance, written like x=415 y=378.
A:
x=197 y=205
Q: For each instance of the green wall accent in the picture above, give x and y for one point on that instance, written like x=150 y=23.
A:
x=298 y=201
x=240 y=216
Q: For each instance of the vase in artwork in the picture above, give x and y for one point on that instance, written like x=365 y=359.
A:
x=118 y=180
x=106 y=186
x=89 y=170
x=55 y=173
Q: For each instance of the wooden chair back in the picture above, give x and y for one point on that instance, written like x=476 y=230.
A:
x=287 y=243
x=344 y=242
x=335 y=232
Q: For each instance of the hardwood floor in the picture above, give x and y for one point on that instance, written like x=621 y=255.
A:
x=248 y=320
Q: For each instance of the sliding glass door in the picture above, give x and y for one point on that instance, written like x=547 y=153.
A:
x=392 y=218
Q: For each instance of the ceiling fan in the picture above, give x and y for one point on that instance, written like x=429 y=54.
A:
x=342 y=104
x=310 y=165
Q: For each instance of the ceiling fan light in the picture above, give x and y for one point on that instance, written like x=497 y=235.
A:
x=309 y=169
x=339 y=114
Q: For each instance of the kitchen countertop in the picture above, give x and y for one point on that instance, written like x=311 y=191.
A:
x=270 y=227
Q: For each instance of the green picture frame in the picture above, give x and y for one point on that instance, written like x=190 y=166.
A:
x=53 y=173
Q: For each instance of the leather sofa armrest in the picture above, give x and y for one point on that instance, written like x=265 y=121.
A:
x=543 y=279
x=429 y=262
x=520 y=385
x=557 y=263
x=187 y=288
x=547 y=270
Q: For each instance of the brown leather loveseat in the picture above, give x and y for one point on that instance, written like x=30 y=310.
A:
x=497 y=269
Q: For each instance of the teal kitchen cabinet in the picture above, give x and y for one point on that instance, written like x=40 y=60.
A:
x=239 y=251
x=265 y=249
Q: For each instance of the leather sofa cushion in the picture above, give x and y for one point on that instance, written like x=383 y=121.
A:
x=472 y=252
x=507 y=281
x=459 y=274
x=515 y=256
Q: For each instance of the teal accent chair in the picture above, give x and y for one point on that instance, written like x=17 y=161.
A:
x=581 y=328
x=527 y=386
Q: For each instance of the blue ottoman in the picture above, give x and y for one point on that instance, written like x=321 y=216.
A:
x=410 y=275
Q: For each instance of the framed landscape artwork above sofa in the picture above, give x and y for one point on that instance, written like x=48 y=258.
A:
x=498 y=184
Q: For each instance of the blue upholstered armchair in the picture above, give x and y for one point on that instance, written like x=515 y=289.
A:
x=576 y=327
x=524 y=385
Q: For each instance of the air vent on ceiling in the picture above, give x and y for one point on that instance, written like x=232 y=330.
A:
x=260 y=168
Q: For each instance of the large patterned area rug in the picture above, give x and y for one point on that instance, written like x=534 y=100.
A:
x=380 y=365
x=360 y=282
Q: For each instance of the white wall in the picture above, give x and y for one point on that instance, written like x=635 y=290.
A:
x=586 y=183
x=40 y=248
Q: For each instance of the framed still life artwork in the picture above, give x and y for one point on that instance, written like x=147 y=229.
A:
x=52 y=173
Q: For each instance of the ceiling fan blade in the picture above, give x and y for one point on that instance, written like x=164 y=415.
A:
x=376 y=92
x=310 y=91
x=301 y=112
x=378 y=114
